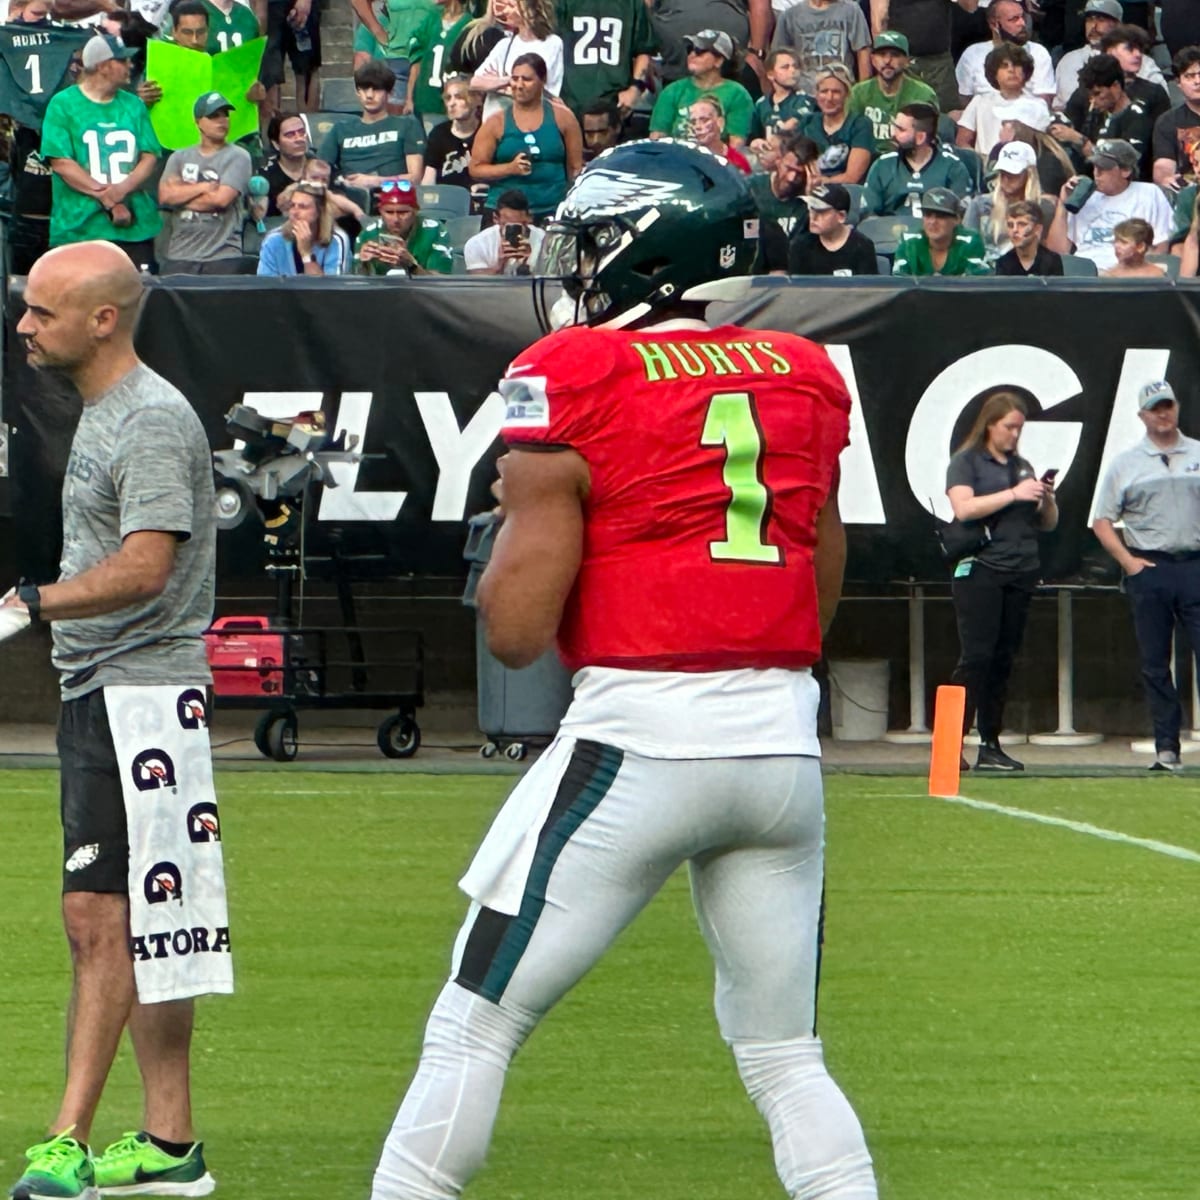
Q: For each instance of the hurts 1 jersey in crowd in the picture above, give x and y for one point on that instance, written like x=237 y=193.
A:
x=710 y=452
x=34 y=62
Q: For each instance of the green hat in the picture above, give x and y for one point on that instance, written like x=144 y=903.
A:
x=210 y=104
x=941 y=200
x=889 y=39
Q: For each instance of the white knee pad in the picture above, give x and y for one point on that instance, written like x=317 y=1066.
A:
x=441 y=1133
x=820 y=1152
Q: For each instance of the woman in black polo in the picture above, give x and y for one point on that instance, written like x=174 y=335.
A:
x=988 y=481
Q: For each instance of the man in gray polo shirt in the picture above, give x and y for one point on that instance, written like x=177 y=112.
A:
x=205 y=185
x=1154 y=487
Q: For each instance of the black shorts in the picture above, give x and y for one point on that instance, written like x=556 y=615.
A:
x=281 y=39
x=95 y=835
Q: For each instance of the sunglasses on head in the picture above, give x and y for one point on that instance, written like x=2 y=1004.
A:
x=402 y=186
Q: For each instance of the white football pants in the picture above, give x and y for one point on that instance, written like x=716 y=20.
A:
x=751 y=832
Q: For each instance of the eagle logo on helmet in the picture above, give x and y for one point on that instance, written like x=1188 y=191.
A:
x=605 y=190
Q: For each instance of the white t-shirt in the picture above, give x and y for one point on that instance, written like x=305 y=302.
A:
x=483 y=250
x=972 y=81
x=986 y=113
x=507 y=50
x=1067 y=73
x=1091 y=229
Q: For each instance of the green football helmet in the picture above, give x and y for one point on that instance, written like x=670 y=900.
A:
x=645 y=226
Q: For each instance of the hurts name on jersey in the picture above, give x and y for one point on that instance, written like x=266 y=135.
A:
x=30 y=39
x=665 y=361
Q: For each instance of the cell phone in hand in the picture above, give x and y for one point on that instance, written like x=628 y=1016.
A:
x=514 y=233
x=1048 y=476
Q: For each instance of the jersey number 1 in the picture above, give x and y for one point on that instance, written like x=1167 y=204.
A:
x=732 y=422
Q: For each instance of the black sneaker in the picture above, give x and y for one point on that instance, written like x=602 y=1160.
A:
x=963 y=765
x=1166 y=760
x=992 y=758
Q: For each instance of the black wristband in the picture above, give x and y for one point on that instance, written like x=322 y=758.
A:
x=31 y=597
x=641 y=85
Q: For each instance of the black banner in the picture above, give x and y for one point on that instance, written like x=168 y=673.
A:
x=408 y=368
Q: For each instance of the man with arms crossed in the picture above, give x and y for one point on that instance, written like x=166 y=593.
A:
x=134 y=595
x=685 y=548
x=1154 y=488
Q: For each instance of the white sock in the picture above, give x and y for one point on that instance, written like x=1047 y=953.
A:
x=440 y=1136
x=820 y=1152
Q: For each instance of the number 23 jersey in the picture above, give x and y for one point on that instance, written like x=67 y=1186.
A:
x=711 y=452
x=106 y=140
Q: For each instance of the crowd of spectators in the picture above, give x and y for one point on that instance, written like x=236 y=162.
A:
x=913 y=137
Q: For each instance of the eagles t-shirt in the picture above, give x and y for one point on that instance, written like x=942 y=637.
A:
x=106 y=140
x=449 y=155
x=358 y=147
x=33 y=66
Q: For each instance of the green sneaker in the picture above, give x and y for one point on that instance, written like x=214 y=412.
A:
x=135 y=1166
x=58 y=1167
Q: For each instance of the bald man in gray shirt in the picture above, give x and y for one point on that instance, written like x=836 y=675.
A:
x=1154 y=488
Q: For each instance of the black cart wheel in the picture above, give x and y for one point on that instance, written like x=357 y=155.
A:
x=489 y=750
x=277 y=736
x=399 y=736
x=515 y=750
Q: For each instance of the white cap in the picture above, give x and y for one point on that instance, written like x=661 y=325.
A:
x=1015 y=158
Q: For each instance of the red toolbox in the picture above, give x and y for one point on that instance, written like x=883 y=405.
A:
x=245 y=660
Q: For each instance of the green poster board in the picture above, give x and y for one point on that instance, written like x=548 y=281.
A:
x=185 y=75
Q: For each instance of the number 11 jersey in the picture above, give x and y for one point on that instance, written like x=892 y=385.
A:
x=710 y=451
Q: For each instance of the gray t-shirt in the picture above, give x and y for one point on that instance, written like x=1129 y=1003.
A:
x=140 y=461
x=821 y=36
x=204 y=236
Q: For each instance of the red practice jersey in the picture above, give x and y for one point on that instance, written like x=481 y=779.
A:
x=711 y=451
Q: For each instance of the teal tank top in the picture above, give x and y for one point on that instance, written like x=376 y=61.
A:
x=546 y=184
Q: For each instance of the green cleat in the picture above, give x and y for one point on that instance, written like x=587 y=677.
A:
x=135 y=1166
x=58 y=1167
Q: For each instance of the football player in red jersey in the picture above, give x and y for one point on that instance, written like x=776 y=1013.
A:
x=669 y=518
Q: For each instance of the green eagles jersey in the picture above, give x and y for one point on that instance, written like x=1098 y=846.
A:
x=671 y=110
x=601 y=38
x=966 y=256
x=358 y=147
x=430 y=47
x=769 y=115
x=428 y=243
x=35 y=62
x=106 y=140
x=892 y=186
x=225 y=32
x=1185 y=209
x=867 y=99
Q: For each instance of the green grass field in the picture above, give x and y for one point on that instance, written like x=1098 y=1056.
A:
x=1012 y=1007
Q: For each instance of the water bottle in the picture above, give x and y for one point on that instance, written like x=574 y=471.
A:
x=258 y=187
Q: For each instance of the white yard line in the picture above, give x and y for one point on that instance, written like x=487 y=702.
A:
x=1108 y=835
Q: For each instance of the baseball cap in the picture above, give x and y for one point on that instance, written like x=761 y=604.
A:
x=1015 y=158
x=940 y=200
x=103 y=48
x=1105 y=8
x=1150 y=394
x=1114 y=152
x=891 y=39
x=711 y=39
x=210 y=104
x=826 y=196
x=398 y=192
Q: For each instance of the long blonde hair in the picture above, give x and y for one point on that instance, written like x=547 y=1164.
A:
x=320 y=193
x=997 y=222
x=1042 y=143
x=477 y=28
x=538 y=15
